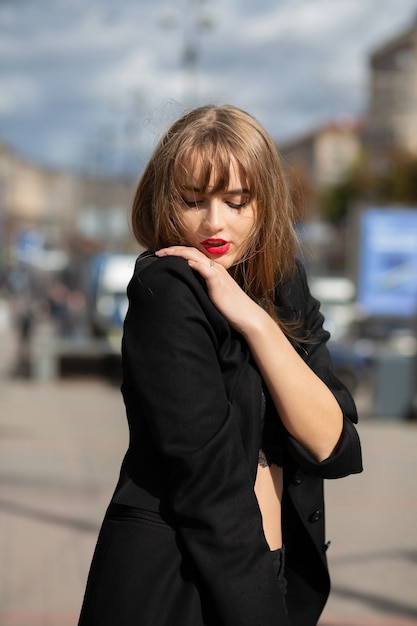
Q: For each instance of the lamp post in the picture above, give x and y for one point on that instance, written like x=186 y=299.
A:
x=196 y=21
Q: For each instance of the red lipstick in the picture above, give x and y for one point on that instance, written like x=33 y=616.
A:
x=216 y=246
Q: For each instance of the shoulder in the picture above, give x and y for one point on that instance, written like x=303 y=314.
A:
x=151 y=267
x=165 y=290
x=162 y=278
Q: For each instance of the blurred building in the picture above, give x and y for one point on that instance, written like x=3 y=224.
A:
x=392 y=110
x=327 y=152
x=35 y=197
x=322 y=158
x=60 y=207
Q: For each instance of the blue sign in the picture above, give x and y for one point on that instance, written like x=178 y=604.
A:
x=388 y=262
x=28 y=245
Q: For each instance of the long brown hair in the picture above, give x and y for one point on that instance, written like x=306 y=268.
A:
x=216 y=135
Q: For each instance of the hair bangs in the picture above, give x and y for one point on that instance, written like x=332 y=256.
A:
x=206 y=167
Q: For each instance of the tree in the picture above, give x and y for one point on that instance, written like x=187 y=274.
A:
x=391 y=179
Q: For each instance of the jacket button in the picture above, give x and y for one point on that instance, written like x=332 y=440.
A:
x=297 y=479
x=316 y=516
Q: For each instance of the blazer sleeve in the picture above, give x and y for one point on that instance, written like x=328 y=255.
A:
x=347 y=458
x=171 y=347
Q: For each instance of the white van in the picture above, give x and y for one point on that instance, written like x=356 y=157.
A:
x=110 y=275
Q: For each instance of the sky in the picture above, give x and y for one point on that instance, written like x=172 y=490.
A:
x=93 y=84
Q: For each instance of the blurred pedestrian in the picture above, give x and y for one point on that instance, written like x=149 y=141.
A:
x=24 y=319
x=234 y=412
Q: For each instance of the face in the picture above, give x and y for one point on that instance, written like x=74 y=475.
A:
x=219 y=224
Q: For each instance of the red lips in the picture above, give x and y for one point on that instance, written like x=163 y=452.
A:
x=216 y=246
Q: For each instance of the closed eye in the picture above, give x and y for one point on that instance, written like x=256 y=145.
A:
x=237 y=205
x=235 y=200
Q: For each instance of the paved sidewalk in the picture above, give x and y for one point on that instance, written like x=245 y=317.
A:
x=61 y=447
x=372 y=523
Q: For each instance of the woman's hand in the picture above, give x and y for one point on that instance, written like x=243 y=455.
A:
x=237 y=307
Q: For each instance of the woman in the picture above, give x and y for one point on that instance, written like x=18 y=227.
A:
x=235 y=416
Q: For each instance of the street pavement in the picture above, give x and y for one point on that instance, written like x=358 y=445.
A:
x=61 y=445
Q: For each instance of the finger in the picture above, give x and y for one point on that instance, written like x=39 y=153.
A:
x=195 y=259
x=202 y=263
x=185 y=252
x=172 y=251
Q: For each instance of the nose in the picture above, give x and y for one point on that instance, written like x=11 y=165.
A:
x=213 y=218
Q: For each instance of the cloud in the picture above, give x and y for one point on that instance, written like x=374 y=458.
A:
x=75 y=74
x=20 y=94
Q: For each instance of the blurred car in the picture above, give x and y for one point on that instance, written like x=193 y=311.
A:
x=352 y=362
x=337 y=298
x=110 y=274
x=351 y=357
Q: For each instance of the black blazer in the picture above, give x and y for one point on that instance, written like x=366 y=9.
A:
x=193 y=400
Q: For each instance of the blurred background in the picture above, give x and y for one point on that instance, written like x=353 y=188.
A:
x=86 y=91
